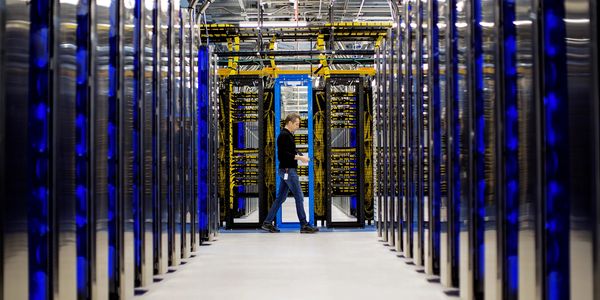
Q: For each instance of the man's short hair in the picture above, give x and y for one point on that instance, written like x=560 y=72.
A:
x=291 y=118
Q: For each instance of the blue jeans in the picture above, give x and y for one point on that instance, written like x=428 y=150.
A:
x=291 y=184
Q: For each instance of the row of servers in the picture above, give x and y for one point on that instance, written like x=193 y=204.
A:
x=487 y=145
x=342 y=145
x=108 y=111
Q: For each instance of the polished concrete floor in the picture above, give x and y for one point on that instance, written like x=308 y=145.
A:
x=288 y=265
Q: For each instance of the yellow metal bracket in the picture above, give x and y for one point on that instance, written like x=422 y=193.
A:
x=322 y=58
x=232 y=64
x=272 y=48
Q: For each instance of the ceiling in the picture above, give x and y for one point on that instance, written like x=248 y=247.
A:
x=236 y=11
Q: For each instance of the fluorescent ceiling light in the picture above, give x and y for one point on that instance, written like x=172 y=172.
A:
x=274 y=24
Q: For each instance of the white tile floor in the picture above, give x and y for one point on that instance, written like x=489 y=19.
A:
x=289 y=265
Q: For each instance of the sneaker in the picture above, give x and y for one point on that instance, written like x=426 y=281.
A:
x=308 y=229
x=269 y=228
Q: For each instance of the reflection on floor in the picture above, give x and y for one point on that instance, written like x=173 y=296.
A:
x=337 y=215
x=289 y=210
x=251 y=218
x=290 y=215
x=289 y=265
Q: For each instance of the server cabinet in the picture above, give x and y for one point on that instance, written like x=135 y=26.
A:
x=2 y=144
x=148 y=94
x=26 y=226
x=463 y=152
x=174 y=149
x=185 y=143
x=161 y=107
x=64 y=133
x=487 y=189
x=450 y=212
x=204 y=158
x=215 y=214
x=408 y=51
x=399 y=132
x=122 y=105
x=379 y=176
x=244 y=144
x=344 y=162
x=385 y=140
x=99 y=55
x=435 y=137
x=193 y=86
x=319 y=115
x=392 y=109
x=581 y=72
x=444 y=121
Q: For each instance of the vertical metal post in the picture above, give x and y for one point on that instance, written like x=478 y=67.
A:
x=392 y=167
x=98 y=195
x=581 y=86
x=418 y=151
x=2 y=142
x=15 y=94
x=408 y=98
x=400 y=134
x=63 y=133
x=379 y=128
x=385 y=160
x=147 y=95
x=360 y=207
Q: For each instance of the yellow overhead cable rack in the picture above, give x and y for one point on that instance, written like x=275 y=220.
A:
x=275 y=72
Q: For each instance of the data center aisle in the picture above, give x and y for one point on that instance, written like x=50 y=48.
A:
x=288 y=265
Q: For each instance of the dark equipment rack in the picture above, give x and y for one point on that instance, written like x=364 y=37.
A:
x=344 y=171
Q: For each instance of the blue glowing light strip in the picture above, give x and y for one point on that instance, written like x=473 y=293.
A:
x=113 y=147
x=511 y=151
x=480 y=143
x=240 y=144
x=136 y=142
x=202 y=138
x=556 y=149
x=39 y=150
x=437 y=140
x=81 y=148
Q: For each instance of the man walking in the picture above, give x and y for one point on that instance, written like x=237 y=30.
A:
x=289 y=181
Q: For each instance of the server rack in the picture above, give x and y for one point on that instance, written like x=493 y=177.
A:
x=399 y=133
x=206 y=153
x=245 y=163
x=378 y=146
x=498 y=120
x=319 y=114
x=214 y=207
x=345 y=159
x=2 y=145
x=161 y=200
x=369 y=141
x=144 y=220
x=434 y=137
x=270 y=140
